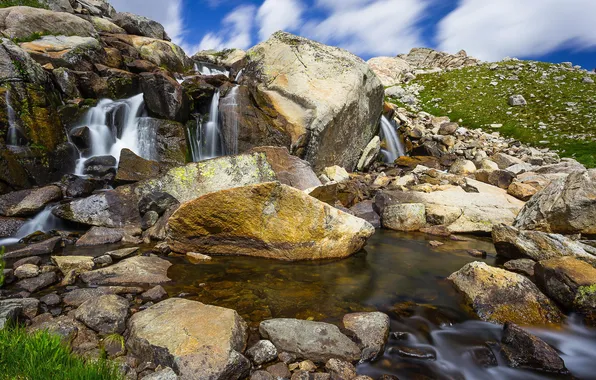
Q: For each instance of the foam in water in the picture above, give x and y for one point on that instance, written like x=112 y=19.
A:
x=395 y=147
x=45 y=221
x=208 y=69
x=113 y=126
x=206 y=140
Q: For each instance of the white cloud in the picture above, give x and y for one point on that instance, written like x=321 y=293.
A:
x=236 y=31
x=492 y=30
x=370 y=27
x=274 y=15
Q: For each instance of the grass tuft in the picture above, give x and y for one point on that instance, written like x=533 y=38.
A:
x=25 y=3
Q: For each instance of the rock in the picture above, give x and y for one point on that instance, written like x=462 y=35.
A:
x=197 y=257
x=79 y=296
x=39 y=249
x=132 y=168
x=252 y=210
x=26 y=271
x=404 y=217
x=372 y=331
x=164 y=374
x=499 y=296
x=199 y=341
x=565 y=206
x=72 y=52
x=261 y=375
x=159 y=52
x=290 y=170
x=28 y=202
x=416 y=353
x=9 y=314
x=154 y=294
x=292 y=77
x=105 y=314
x=365 y=210
x=521 y=191
x=463 y=167
x=140 y=26
x=122 y=253
x=336 y=174
x=102 y=261
x=262 y=352
x=164 y=97
x=570 y=282
x=307 y=365
x=225 y=58
x=314 y=341
x=171 y=149
x=279 y=371
x=340 y=370
x=157 y=202
x=424 y=58
x=514 y=243
x=448 y=129
x=501 y=178
x=79 y=264
x=106 y=26
x=40 y=282
x=29 y=307
x=100 y=166
x=101 y=236
x=35 y=260
x=504 y=160
x=389 y=70
x=51 y=299
x=487 y=164
x=369 y=154
x=521 y=266
x=10 y=226
x=517 y=101
x=526 y=351
x=22 y=22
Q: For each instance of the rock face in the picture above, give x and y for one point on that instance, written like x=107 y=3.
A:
x=326 y=100
x=424 y=58
x=390 y=70
x=497 y=295
x=372 y=331
x=309 y=340
x=267 y=220
x=565 y=206
x=135 y=270
x=198 y=341
x=165 y=97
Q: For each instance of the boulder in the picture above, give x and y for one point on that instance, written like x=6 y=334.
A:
x=309 y=340
x=101 y=8
x=101 y=236
x=140 y=26
x=23 y=22
x=521 y=191
x=198 y=341
x=135 y=270
x=404 y=217
x=159 y=52
x=79 y=264
x=26 y=271
x=291 y=80
x=10 y=226
x=38 y=249
x=122 y=253
x=566 y=206
x=9 y=314
x=371 y=331
x=165 y=97
x=40 y=282
x=369 y=154
x=462 y=167
x=103 y=25
x=425 y=58
x=501 y=178
x=105 y=314
x=336 y=174
x=132 y=168
x=28 y=202
x=171 y=148
x=290 y=170
x=77 y=297
x=504 y=160
x=155 y=294
x=224 y=58
x=266 y=220
x=499 y=296
x=73 y=52
x=389 y=70
x=521 y=266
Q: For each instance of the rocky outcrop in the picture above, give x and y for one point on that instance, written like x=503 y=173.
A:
x=326 y=100
x=140 y=26
x=231 y=58
x=497 y=295
x=159 y=52
x=266 y=220
x=73 y=52
x=198 y=341
x=389 y=70
x=424 y=58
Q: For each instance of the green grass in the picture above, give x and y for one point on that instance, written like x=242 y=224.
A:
x=468 y=94
x=26 y=3
x=41 y=356
x=2 y=266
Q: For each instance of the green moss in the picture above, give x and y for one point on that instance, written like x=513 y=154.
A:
x=585 y=294
x=32 y=37
x=25 y=3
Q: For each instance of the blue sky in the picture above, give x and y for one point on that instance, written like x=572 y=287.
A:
x=551 y=30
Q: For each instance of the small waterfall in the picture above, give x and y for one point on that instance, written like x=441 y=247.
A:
x=395 y=146
x=45 y=221
x=113 y=126
x=12 y=137
x=206 y=140
x=239 y=76
x=228 y=108
x=209 y=69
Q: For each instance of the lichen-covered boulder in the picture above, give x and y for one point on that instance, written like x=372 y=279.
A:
x=266 y=220
x=390 y=70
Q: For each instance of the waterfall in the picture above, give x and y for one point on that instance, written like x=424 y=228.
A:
x=239 y=76
x=45 y=221
x=113 y=126
x=228 y=108
x=12 y=137
x=209 y=69
x=395 y=147
x=205 y=139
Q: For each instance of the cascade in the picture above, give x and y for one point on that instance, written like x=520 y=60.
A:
x=206 y=140
x=239 y=76
x=209 y=69
x=115 y=125
x=228 y=109
x=45 y=221
x=12 y=137
x=395 y=146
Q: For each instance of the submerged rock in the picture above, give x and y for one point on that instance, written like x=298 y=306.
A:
x=267 y=220
x=497 y=295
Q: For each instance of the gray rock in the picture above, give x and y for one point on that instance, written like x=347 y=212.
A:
x=27 y=306
x=315 y=341
x=135 y=270
x=44 y=248
x=365 y=210
x=369 y=154
x=279 y=371
x=35 y=260
x=521 y=266
x=517 y=101
x=155 y=294
x=122 y=253
x=371 y=331
x=504 y=160
x=404 y=217
x=42 y=281
x=28 y=202
x=164 y=374
x=26 y=271
x=262 y=352
x=9 y=314
x=79 y=296
x=165 y=97
x=105 y=314
x=51 y=299
x=101 y=236
x=262 y=375
x=103 y=261
x=140 y=26
x=10 y=226
x=158 y=202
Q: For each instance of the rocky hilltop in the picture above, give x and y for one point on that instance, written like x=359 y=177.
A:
x=121 y=157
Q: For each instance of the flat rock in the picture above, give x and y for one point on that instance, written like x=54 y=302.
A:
x=46 y=247
x=101 y=236
x=69 y=51
x=105 y=314
x=122 y=253
x=28 y=202
x=79 y=264
x=79 y=296
x=135 y=270
x=42 y=281
x=371 y=330
x=316 y=341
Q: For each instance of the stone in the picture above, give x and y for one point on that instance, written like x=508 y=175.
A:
x=79 y=264
x=371 y=330
x=499 y=296
x=404 y=217
x=501 y=178
x=106 y=26
x=340 y=370
x=38 y=249
x=526 y=351
x=105 y=314
x=565 y=206
x=199 y=341
x=158 y=202
x=252 y=211
x=521 y=191
x=309 y=340
x=336 y=174
x=463 y=167
x=165 y=97
x=369 y=154
x=279 y=371
x=28 y=202
x=425 y=58
x=448 y=129
x=365 y=210
x=225 y=58
x=140 y=26
x=77 y=297
x=132 y=168
x=389 y=70
x=73 y=52
x=9 y=314
x=262 y=352
x=26 y=271
x=51 y=299
x=487 y=164
x=134 y=270
x=29 y=307
x=155 y=294
x=261 y=375
x=40 y=282
x=100 y=166
x=171 y=148
x=517 y=101
x=35 y=260
x=100 y=236
x=164 y=374
x=504 y=160
x=521 y=266
x=103 y=261
x=159 y=52
x=197 y=257
x=307 y=366
x=10 y=226
x=22 y=22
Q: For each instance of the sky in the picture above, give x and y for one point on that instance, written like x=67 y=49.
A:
x=548 y=30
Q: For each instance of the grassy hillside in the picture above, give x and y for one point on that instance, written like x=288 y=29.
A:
x=560 y=114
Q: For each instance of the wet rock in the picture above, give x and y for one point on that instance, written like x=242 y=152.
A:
x=140 y=26
x=82 y=187
x=484 y=357
x=315 y=341
x=101 y=236
x=369 y=154
x=371 y=331
x=122 y=253
x=100 y=166
x=521 y=266
x=79 y=296
x=420 y=353
x=28 y=202
x=164 y=97
x=155 y=294
x=523 y=350
x=42 y=281
x=105 y=314
x=331 y=233
x=201 y=341
x=565 y=206
x=404 y=217
x=132 y=168
x=135 y=270
x=340 y=370
x=79 y=264
x=262 y=352
x=22 y=22
x=497 y=295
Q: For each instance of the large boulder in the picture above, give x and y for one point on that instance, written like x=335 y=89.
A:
x=165 y=97
x=171 y=148
x=326 y=100
x=135 y=270
x=290 y=170
x=159 y=52
x=23 y=22
x=28 y=202
x=198 y=341
x=425 y=58
x=266 y=220
x=140 y=26
x=309 y=340
x=565 y=206
x=499 y=296
x=73 y=52
x=390 y=70
x=132 y=168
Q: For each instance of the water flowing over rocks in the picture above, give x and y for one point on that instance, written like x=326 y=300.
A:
x=238 y=221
